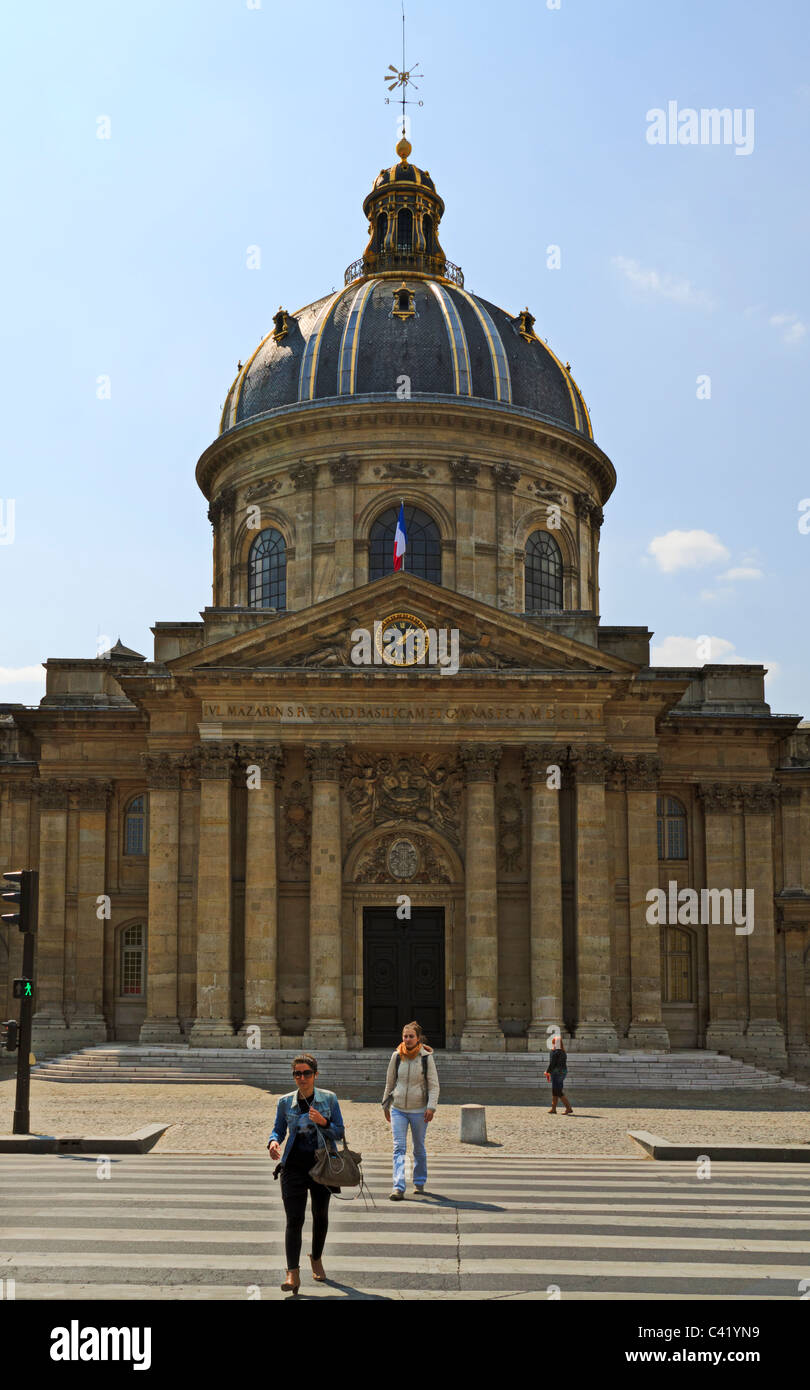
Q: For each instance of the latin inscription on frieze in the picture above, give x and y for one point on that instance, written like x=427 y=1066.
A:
x=417 y=713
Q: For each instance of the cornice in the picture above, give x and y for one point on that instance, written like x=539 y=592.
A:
x=305 y=419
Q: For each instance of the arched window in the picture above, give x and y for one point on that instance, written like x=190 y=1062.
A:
x=135 y=826
x=544 y=574
x=133 y=960
x=671 y=828
x=382 y=228
x=404 y=230
x=267 y=571
x=676 y=966
x=427 y=228
x=423 y=555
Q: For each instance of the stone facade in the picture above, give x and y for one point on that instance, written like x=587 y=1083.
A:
x=213 y=826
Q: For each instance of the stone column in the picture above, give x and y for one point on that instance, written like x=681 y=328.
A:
x=325 y=1028
x=726 y=1025
x=545 y=907
x=764 y=1034
x=583 y=506
x=94 y=798
x=646 y=1028
x=213 y=1026
x=49 y=1025
x=791 y=808
x=344 y=474
x=465 y=474
x=220 y=514
x=262 y=762
x=162 y=1024
x=595 y=1031
x=796 y=1012
x=300 y=575
x=506 y=478
x=482 y=1032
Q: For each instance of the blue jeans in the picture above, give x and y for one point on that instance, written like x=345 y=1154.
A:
x=400 y=1119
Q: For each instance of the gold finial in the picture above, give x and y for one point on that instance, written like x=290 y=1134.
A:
x=404 y=149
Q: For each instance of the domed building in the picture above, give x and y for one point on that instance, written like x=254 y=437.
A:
x=363 y=788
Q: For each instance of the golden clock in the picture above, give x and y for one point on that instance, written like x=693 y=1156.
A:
x=401 y=639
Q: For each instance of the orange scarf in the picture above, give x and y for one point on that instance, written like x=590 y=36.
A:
x=407 y=1054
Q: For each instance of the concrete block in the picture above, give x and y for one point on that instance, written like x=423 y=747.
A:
x=473 y=1124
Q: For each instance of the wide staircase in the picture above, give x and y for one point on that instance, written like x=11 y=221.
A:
x=360 y=1075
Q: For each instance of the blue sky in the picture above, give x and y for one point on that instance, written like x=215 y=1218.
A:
x=234 y=126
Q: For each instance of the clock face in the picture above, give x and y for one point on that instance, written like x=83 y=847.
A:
x=401 y=639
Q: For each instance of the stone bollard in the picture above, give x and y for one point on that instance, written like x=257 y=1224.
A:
x=473 y=1128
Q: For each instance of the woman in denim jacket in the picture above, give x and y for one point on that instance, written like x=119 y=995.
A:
x=297 y=1116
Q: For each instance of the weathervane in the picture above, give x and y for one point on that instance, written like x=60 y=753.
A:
x=404 y=78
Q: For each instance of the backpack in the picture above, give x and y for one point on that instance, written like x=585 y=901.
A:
x=424 y=1068
x=387 y=1100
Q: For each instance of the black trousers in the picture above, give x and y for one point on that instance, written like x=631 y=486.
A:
x=295 y=1184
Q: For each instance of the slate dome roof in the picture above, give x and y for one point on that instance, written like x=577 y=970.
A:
x=404 y=313
x=352 y=344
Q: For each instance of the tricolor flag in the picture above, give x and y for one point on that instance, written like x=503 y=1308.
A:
x=400 y=539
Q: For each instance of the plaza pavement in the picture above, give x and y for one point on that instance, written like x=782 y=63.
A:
x=237 y=1119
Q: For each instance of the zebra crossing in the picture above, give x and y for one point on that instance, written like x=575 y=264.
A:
x=199 y=1226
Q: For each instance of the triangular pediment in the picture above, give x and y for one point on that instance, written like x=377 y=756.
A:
x=321 y=636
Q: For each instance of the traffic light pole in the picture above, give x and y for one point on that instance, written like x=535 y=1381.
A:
x=22 y=1113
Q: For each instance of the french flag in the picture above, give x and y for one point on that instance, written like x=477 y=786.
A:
x=400 y=539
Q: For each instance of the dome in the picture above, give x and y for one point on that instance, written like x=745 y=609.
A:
x=403 y=326
x=366 y=338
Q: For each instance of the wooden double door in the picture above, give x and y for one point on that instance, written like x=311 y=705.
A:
x=403 y=974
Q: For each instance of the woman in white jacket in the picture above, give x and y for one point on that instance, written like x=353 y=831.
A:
x=410 y=1099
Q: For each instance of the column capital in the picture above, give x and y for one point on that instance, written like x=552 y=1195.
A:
x=215 y=761
x=480 y=760
x=269 y=757
x=94 y=794
x=23 y=788
x=642 y=771
x=344 y=469
x=325 y=761
x=303 y=475
x=759 y=798
x=591 y=762
x=464 y=472
x=505 y=476
x=53 y=794
x=163 y=769
x=539 y=757
x=718 y=797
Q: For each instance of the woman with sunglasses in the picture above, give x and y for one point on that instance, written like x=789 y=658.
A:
x=297 y=1116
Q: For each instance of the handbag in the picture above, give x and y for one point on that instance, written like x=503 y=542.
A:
x=336 y=1169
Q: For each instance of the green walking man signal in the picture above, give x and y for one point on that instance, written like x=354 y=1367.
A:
x=23 y=989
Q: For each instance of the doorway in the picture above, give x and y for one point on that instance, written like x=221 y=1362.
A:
x=403 y=974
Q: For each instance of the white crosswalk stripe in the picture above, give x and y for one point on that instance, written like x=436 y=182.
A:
x=185 y=1226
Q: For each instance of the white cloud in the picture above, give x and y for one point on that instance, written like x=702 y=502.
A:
x=687 y=550
x=690 y=651
x=697 y=651
x=742 y=572
x=793 y=330
x=19 y=675
x=662 y=284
